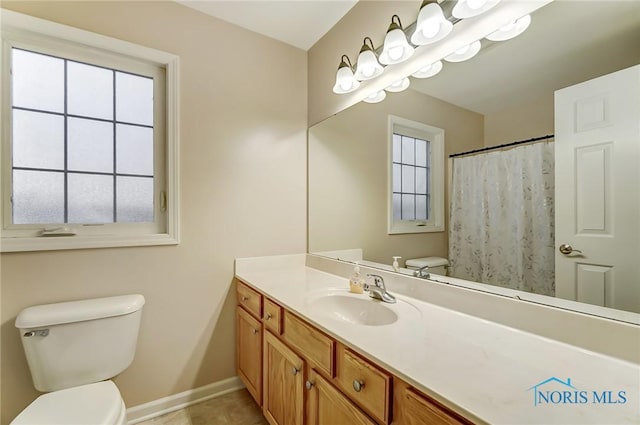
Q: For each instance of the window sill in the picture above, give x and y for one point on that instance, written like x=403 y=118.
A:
x=83 y=242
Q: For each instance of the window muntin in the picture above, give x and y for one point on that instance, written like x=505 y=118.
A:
x=97 y=140
x=416 y=177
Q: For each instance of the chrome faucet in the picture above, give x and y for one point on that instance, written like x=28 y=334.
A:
x=419 y=273
x=378 y=290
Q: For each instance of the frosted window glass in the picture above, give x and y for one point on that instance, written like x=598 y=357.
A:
x=134 y=199
x=408 y=147
x=421 y=152
x=89 y=91
x=408 y=207
x=38 y=140
x=408 y=176
x=90 y=198
x=38 y=81
x=421 y=207
x=397 y=203
x=396 y=178
x=38 y=197
x=397 y=152
x=134 y=99
x=90 y=145
x=134 y=150
x=421 y=180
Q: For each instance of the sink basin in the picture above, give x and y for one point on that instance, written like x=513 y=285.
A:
x=357 y=310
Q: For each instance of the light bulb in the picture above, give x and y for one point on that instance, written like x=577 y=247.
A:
x=367 y=71
x=346 y=85
x=396 y=52
x=431 y=28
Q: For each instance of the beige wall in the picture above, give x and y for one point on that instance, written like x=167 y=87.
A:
x=243 y=155
x=367 y=18
x=348 y=189
x=524 y=121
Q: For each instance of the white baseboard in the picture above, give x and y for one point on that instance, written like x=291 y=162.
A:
x=179 y=401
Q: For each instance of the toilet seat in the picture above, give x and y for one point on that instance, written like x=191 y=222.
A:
x=93 y=404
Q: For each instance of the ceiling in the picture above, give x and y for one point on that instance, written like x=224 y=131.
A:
x=299 y=23
x=567 y=42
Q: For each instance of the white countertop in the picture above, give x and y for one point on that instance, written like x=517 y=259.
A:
x=479 y=368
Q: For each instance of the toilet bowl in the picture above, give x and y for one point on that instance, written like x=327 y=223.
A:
x=73 y=349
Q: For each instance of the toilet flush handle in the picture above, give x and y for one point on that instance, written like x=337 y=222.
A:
x=39 y=332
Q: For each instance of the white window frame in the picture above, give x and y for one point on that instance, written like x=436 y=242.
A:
x=435 y=136
x=23 y=31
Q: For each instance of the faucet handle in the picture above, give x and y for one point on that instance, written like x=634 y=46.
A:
x=377 y=280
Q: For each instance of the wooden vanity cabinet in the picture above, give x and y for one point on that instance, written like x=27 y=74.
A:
x=328 y=406
x=249 y=352
x=283 y=402
x=301 y=376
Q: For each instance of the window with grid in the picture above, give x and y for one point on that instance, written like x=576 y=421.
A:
x=411 y=190
x=416 y=177
x=82 y=148
x=89 y=139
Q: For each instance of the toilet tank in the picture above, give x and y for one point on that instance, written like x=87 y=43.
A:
x=80 y=342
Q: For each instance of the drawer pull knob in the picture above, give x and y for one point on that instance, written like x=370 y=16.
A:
x=308 y=385
x=269 y=316
x=255 y=331
x=245 y=298
x=358 y=385
x=295 y=370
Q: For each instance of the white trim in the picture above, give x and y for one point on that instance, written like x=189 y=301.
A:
x=162 y=406
x=27 y=28
x=436 y=137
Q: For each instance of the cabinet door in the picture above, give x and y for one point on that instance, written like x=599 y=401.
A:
x=283 y=383
x=328 y=406
x=249 y=353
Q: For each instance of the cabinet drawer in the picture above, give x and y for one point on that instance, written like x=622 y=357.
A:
x=366 y=385
x=413 y=408
x=272 y=316
x=249 y=299
x=311 y=343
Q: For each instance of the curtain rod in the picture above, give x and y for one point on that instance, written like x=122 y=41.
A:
x=490 y=148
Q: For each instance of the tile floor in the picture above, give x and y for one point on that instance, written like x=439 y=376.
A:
x=235 y=408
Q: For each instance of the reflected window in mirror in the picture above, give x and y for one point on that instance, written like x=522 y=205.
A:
x=416 y=183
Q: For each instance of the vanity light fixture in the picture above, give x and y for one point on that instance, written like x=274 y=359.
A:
x=398 y=86
x=345 y=80
x=375 y=97
x=367 y=66
x=431 y=25
x=428 y=71
x=464 y=53
x=469 y=8
x=396 y=48
x=511 y=30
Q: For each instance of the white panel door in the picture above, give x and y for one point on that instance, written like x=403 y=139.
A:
x=597 y=179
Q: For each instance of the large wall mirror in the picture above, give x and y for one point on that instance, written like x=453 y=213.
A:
x=504 y=94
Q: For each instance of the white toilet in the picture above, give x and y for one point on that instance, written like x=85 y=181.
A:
x=72 y=349
x=436 y=265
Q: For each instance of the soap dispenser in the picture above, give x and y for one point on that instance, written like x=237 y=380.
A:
x=395 y=265
x=356 y=283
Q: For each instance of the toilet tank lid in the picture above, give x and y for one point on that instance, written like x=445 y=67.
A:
x=78 y=311
x=427 y=261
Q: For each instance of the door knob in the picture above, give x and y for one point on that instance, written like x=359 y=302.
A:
x=568 y=249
